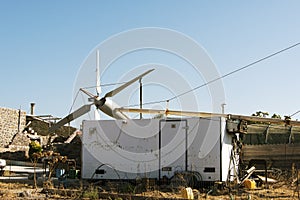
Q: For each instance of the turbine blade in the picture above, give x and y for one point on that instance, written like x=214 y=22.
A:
x=79 y=112
x=87 y=93
x=119 y=89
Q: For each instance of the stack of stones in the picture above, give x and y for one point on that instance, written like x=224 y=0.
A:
x=11 y=122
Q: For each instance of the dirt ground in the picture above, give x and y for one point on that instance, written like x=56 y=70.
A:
x=25 y=190
x=14 y=190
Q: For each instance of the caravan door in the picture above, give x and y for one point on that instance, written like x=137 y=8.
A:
x=172 y=147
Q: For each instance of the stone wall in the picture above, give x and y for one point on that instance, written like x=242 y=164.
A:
x=9 y=120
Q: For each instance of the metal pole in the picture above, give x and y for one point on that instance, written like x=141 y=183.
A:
x=19 y=120
x=223 y=107
x=141 y=97
x=32 y=108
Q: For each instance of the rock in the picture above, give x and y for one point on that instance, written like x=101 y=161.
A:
x=26 y=193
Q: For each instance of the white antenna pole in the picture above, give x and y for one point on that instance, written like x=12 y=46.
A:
x=98 y=86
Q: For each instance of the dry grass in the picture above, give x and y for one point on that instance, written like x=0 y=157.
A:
x=284 y=189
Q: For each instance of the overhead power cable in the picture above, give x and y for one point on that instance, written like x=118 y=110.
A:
x=223 y=76
x=294 y=113
x=104 y=85
x=237 y=70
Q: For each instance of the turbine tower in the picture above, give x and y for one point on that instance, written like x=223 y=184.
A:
x=98 y=83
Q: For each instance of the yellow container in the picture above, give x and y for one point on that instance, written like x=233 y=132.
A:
x=187 y=193
x=250 y=184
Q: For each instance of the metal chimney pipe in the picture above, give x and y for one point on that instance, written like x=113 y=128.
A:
x=32 y=108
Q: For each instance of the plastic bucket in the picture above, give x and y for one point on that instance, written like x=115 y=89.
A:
x=187 y=193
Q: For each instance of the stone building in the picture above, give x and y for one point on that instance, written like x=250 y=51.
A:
x=17 y=130
x=12 y=121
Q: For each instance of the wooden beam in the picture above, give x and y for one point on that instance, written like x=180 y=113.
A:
x=273 y=129
x=264 y=120
x=171 y=112
x=208 y=115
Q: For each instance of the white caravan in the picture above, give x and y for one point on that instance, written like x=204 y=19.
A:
x=156 y=149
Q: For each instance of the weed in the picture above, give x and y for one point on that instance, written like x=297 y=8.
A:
x=91 y=193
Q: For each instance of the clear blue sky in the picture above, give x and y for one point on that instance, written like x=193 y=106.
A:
x=43 y=44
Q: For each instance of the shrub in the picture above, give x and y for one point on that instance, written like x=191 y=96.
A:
x=34 y=147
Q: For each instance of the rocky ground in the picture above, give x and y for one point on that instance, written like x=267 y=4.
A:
x=15 y=190
x=286 y=187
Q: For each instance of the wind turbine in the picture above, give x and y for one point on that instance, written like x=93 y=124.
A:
x=105 y=104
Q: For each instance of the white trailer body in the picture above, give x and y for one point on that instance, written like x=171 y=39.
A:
x=156 y=148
